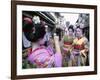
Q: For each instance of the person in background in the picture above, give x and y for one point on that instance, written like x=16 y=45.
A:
x=26 y=44
x=67 y=43
x=80 y=48
x=47 y=36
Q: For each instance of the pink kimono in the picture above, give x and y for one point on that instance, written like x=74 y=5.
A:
x=45 y=58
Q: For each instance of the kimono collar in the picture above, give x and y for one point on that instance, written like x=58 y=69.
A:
x=79 y=37
x=42 y=47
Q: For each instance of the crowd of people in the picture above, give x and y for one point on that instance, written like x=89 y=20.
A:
x=47 y=50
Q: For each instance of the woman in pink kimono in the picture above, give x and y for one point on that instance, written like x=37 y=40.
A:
x=41 y=56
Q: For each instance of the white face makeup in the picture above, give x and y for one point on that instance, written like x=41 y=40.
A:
x=70 y=31
x=78 y=32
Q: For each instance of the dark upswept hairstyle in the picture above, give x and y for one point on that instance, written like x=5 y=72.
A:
x=71 y=27
x=80 y=28
x=34 y=32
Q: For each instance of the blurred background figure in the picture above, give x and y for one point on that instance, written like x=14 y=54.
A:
x=26 y=43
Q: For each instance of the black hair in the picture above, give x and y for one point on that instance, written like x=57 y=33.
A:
x=34 y=32
x=71 y=27
x=80 y=28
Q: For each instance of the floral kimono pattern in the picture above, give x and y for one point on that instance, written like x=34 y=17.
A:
x=79 y=51
x=45 y=58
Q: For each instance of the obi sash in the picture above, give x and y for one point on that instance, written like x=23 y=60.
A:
x=67 y=43
x=79 y=47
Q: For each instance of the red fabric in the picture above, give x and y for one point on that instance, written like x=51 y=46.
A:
x=67 y=43
x=28 y=19
x=79 y=47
